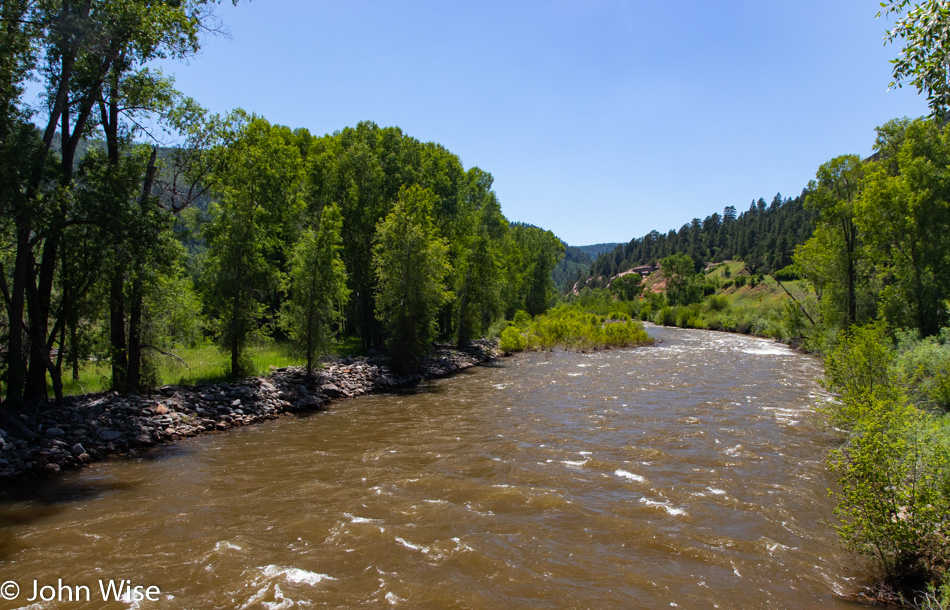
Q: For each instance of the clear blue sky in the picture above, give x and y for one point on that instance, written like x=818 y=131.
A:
x=599 y=119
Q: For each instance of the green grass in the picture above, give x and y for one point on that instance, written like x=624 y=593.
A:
x=205 y=364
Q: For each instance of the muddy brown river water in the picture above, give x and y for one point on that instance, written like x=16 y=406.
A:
x=687 y=475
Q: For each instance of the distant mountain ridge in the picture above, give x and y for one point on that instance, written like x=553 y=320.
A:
x=577 y=261
x=596 y=250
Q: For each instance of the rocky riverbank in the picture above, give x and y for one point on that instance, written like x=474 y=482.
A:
x=51 y=438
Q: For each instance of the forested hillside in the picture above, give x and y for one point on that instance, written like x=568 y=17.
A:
x=764 y=236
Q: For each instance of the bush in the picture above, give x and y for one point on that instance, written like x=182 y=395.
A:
x=572 y=327
x=894 y=468
x=923 y=366
x=787 y=274
x=512 y=340
x=717 y=303
x=665 y=317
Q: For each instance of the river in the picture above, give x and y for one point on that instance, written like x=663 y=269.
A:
x=686 y=475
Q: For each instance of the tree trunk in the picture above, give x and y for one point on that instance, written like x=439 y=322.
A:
x=463 y=328
x=16 y=358
x=120 y=362
x=134 y=379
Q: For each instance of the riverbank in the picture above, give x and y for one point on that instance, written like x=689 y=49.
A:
x=48 y=438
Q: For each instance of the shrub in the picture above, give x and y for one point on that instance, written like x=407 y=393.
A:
x=717 y=303
x=894 y=468
x=512 y=340
x=665 y=317
x=787 y=274
x=923 y=366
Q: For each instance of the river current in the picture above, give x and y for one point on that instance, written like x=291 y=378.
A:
x=685 y=475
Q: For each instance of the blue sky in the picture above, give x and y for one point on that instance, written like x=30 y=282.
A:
x=599 y=119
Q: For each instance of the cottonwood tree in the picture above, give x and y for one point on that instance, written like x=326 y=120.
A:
x=316 y=284
x=410 y=260
x=478 y=262
x=683 y=283
x=257 y=186
x=905 y=218
x=832 y=195
x=74 y=48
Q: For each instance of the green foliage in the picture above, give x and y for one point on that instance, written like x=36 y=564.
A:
x=905 y=216
x=683 y=284
x=411 y=264
x=541 y=251
x=512 y=340
x=571 y=327
x=787 y=274
x=923 y=29
x=894 y=469
x=831 y=257
x=923 y=366
x=627 y=287
x=258 y=181
x=317 y=285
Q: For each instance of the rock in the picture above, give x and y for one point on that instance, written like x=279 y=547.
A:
x=160 y=409
x=51 y=468
x=55 y=432
x=109 y=435
x=332 y=391
x=141 y=441
x=77 y=449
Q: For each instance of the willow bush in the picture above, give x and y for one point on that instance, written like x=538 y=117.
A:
x=894 y=466
x=571 y=327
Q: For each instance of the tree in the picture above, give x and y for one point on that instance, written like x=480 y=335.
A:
x=540 y=251
x=905 y=217
x=628 y=287
x=924 y=28
x=258 y=190
x=478 y=264
x=316 y=284
x=683 y=283
x=75 y=49
x=410 y=261
x=832 y=195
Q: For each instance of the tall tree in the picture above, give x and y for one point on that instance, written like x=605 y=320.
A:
x=410 y=261
x=683 y=283
x=79 y=45
x=905 y=217
x=832 y=195
x=257 y=185
x=316 y=284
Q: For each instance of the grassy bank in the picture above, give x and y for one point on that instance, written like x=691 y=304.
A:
x=202 y=364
